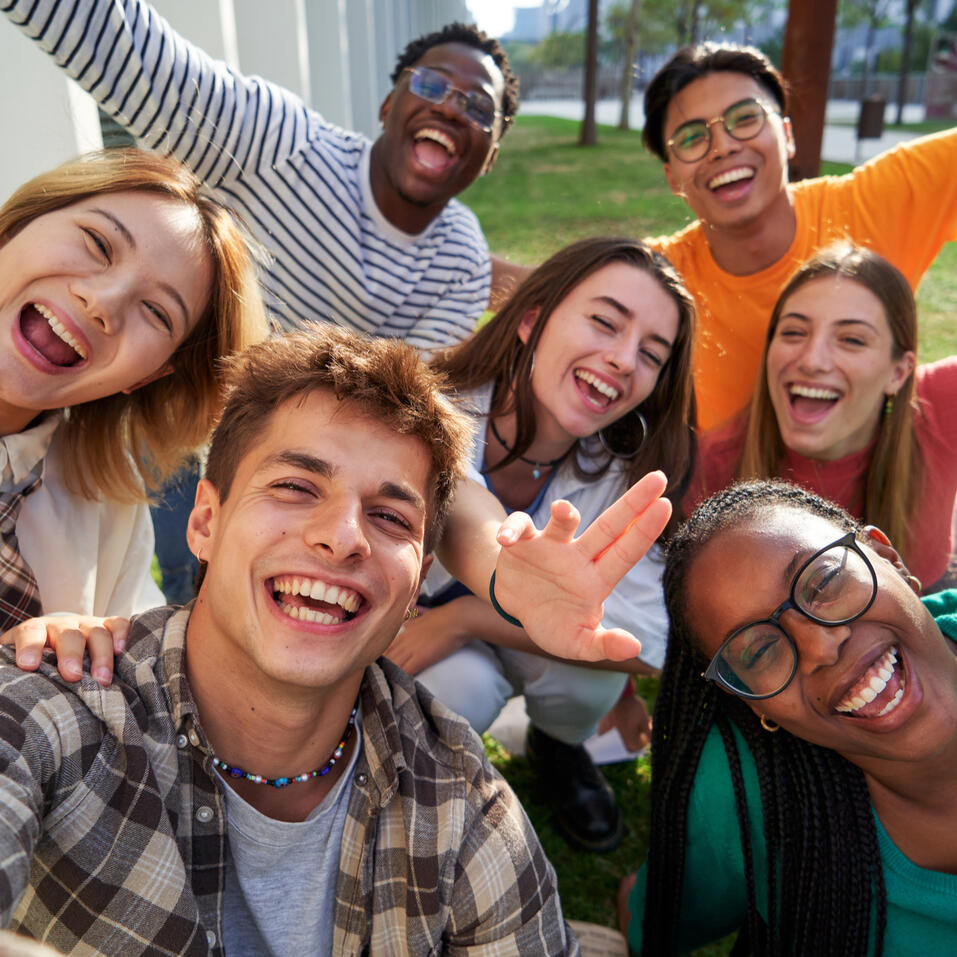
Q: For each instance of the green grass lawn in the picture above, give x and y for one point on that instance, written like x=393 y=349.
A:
x=544 y=193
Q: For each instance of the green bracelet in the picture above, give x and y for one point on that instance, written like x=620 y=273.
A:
x=511 y=619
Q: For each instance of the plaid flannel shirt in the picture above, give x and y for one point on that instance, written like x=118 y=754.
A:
x=113 y=838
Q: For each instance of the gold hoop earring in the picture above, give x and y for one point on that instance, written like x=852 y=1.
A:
x=914 y=583
x=769 y=726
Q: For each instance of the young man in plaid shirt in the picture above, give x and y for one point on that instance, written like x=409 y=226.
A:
x=258 y=780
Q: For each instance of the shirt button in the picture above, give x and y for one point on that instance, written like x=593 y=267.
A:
x=181 y=741
x=193 y=738
x=204 y=814
x=210 y=938
x=361 y=778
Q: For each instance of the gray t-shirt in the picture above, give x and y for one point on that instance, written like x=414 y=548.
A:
x=281 y=879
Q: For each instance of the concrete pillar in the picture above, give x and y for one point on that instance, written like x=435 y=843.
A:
x=364 y=66
x=211 y=25
x=328 y=33
x=46 y=119
x=273 y=43
x=387 y=45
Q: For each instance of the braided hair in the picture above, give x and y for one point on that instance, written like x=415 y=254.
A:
x=824 y=873
x=471 y=36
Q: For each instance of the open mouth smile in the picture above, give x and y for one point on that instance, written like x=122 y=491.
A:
x=596 y=390
x=434 y=148
x=810 y=403
x=313 y=600
x=878 y=691
x=732 y=183
x=49 y=337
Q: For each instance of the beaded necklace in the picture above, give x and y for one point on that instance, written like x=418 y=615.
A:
x=235 y=772
x=536 y=466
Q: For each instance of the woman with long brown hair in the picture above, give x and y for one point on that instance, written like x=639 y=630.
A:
x=579 y=385
x=842 y=408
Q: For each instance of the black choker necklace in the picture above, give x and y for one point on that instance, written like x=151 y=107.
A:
x=536 y=466
x=235 y=772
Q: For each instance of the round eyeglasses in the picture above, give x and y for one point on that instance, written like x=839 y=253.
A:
x=833 y=587
x=742 y=121
x=477 y=107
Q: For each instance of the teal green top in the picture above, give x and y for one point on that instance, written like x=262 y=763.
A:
x=921 y=904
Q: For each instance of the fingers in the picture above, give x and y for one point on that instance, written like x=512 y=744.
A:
x=99 y=645
x=71 y=637
x=69 y=645
x=633 y=543
x=119 y=628
x=617 y=644
x=29 y=639
x=563 y=523
x=516 y=526
x=616 y=519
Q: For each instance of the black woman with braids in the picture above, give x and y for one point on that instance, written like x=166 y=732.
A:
x=805 y=740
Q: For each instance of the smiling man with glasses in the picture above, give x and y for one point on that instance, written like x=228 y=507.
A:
x=716 y=116
x=364 y=234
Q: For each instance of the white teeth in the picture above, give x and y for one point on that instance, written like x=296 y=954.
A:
x=881 y=673
x=603 y=387
x=731 y=176
x=60 y=330
x=808 y=393
x=893 y=703
x=309 y=614
x=318 y=590
x=437 y=136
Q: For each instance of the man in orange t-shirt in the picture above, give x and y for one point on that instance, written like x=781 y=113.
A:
x=715 y=115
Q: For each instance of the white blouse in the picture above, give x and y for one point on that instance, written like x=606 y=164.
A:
x=88 y=555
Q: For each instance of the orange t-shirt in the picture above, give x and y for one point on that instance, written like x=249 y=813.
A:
x=902 y=204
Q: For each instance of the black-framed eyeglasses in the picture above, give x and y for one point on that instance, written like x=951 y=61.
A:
x=477 y=107
x=742 y=121
x=835 y=586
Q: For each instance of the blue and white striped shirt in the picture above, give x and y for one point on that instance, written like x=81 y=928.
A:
x=301 y=185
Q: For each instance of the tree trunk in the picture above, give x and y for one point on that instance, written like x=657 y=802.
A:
x=695 y=21
x=589 y=132
x=806 y=64
x=628 y=68
x=905 y=59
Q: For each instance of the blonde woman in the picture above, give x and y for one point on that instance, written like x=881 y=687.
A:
x=120 y=287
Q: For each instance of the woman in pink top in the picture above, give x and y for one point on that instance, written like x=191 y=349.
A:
x=841 y=408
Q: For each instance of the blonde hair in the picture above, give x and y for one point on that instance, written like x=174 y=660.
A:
x=895 y=469
x=120 y=445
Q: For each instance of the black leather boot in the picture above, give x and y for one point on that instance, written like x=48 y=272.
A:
x=582 y=802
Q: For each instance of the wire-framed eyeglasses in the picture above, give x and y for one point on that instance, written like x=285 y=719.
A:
x=477 y=107
x=835 y=586
x=742 y=121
